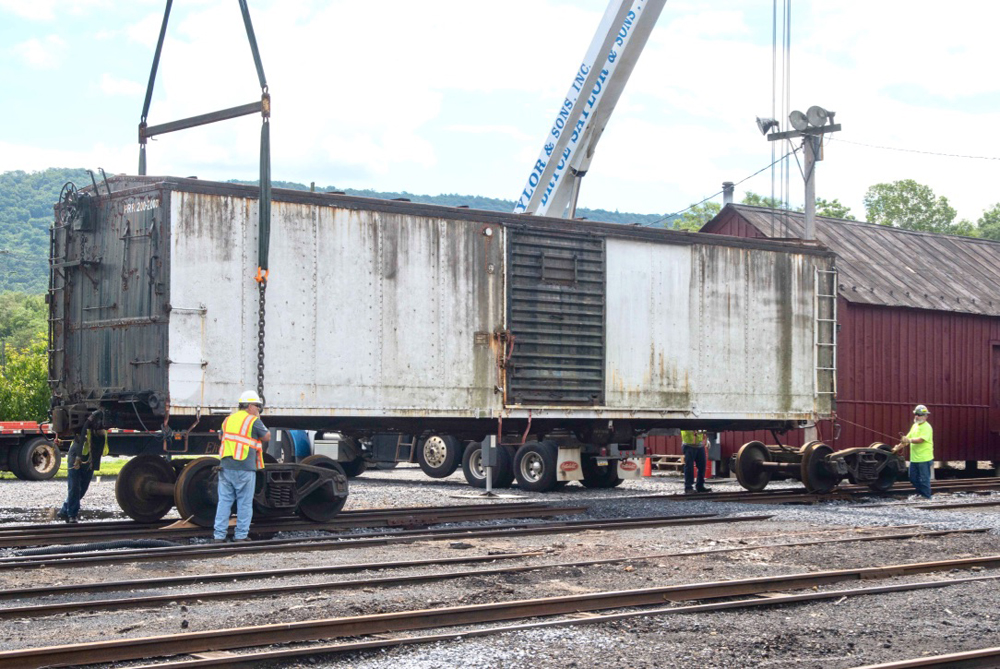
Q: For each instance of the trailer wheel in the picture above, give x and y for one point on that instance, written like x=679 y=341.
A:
x=535 y=466
x=888 y=475
x=748 y=471
x=475 y=473
x=440 y=455
x=596 y=476
x=136 y=484
x=197 y=491
x=354 y=468
x=322 y=504
x=815 y=476
x=37 y=460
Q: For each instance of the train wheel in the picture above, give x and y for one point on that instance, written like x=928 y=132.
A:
x=322 y=504
x=144 y=488
x=354 y=468
x=38 y=460
x=596 y=476
x=888 y=475
x=475 y=473
x=440 y=456
x=197 y=491
x=815 y=476
x=748 y=466
x=535 y=466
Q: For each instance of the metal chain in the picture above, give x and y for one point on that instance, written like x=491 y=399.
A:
x=260 y=340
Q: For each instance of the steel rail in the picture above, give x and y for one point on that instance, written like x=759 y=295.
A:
x=226 y=659
x=114 y=524
x=63 y=535
x=959 y=505
x=245 y=637
x=152 y=600
x=274 y=546
x=982 y=658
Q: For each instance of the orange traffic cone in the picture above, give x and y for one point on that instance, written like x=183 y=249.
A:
x=647 y=468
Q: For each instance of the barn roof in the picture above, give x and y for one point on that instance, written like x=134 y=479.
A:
x=887 y=266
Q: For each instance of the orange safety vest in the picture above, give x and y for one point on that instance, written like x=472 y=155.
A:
x=237 y=441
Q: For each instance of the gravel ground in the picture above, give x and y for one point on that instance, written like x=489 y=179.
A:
x=857 y=631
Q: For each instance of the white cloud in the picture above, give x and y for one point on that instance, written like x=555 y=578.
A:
x=111 y=85
x=43 y=54
x=48 y=10
x=507 y=130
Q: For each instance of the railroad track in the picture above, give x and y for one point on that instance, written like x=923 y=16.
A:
x=32 y=611
x=61 y=534
x=199 y=551
x=580 y=606
x=971 y=659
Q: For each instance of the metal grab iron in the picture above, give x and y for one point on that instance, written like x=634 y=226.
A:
x=817 y=466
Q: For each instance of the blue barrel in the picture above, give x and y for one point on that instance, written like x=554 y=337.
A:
x=300 y=441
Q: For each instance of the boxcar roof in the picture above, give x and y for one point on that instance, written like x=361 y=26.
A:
x=122 y=183
x=888 y=266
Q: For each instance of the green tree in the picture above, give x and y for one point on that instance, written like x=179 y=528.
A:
x=909 y=205
x=833 y=209
x=695 y=217
x=757 y=200
x=989 y=223
x=22 y=318
x=24 y=386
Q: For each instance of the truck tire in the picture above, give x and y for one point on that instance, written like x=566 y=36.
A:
x=595 y=476
x=535 y=466
x=38 y=460
x=354 y=468
x=439 y=455
x=475 y=473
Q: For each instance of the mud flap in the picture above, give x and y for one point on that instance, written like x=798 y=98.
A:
x=568 y=465
x=629 y=469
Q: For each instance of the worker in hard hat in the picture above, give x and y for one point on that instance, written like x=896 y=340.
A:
x=242 y=453
x=920 y=439
x=694 y=444
x=82 y=460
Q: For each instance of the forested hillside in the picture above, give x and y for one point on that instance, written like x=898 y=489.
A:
x=26 y=200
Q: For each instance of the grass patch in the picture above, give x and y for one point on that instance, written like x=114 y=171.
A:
x=109 y=467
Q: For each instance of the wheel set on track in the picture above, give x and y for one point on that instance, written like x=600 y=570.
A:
x=149 y=486
x=817 y=466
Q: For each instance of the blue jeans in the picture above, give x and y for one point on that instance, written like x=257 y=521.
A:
x=694 y=456
x=235 y=485
x=77 y=483
x=920 y=477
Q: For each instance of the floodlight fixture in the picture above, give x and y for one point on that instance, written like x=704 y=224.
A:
x=798 y=120
x=817 y=116
x=765 y=124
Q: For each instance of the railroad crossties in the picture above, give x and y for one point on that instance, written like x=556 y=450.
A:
x=418 y=573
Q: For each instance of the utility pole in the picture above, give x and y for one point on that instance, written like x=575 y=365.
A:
x=811 y=127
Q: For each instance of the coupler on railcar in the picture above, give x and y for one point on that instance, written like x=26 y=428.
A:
x=149 y=486
x=818 y=466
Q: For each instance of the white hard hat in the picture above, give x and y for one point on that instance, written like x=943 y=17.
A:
x=920 y=410
x=250 y=397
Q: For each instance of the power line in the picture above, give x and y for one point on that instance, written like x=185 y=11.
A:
x=928 y=153
x=715 y=195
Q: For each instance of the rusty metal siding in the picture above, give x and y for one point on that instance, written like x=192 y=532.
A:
x=108 y=300
x=556 y=312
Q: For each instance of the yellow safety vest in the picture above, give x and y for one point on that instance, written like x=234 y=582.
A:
x=237 y=441
x=924 y=451
x=86 y=443
x=692 y=437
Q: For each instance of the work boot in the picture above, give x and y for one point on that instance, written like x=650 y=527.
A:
x=61 y=515
x=688 y=491
x=241 y=541
x=219 y=541
x=702 y=488
x=72 y=520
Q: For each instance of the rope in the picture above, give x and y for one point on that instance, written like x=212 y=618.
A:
x=840 y=419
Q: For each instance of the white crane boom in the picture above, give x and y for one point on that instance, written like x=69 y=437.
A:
x=569 y=146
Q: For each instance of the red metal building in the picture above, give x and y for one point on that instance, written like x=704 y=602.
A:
x=919 y=323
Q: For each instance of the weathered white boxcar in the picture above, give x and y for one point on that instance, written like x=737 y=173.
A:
x=446 y=323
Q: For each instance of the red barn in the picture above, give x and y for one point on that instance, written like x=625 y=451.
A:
x=919 y=323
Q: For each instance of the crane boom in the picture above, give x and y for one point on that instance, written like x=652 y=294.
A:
x=583 y=114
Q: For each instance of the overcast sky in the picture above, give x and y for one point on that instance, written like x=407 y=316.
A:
x=452 y=96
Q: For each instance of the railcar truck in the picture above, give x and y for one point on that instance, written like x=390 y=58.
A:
x=564 y=339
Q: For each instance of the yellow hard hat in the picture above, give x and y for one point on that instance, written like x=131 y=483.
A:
x=250 y=397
